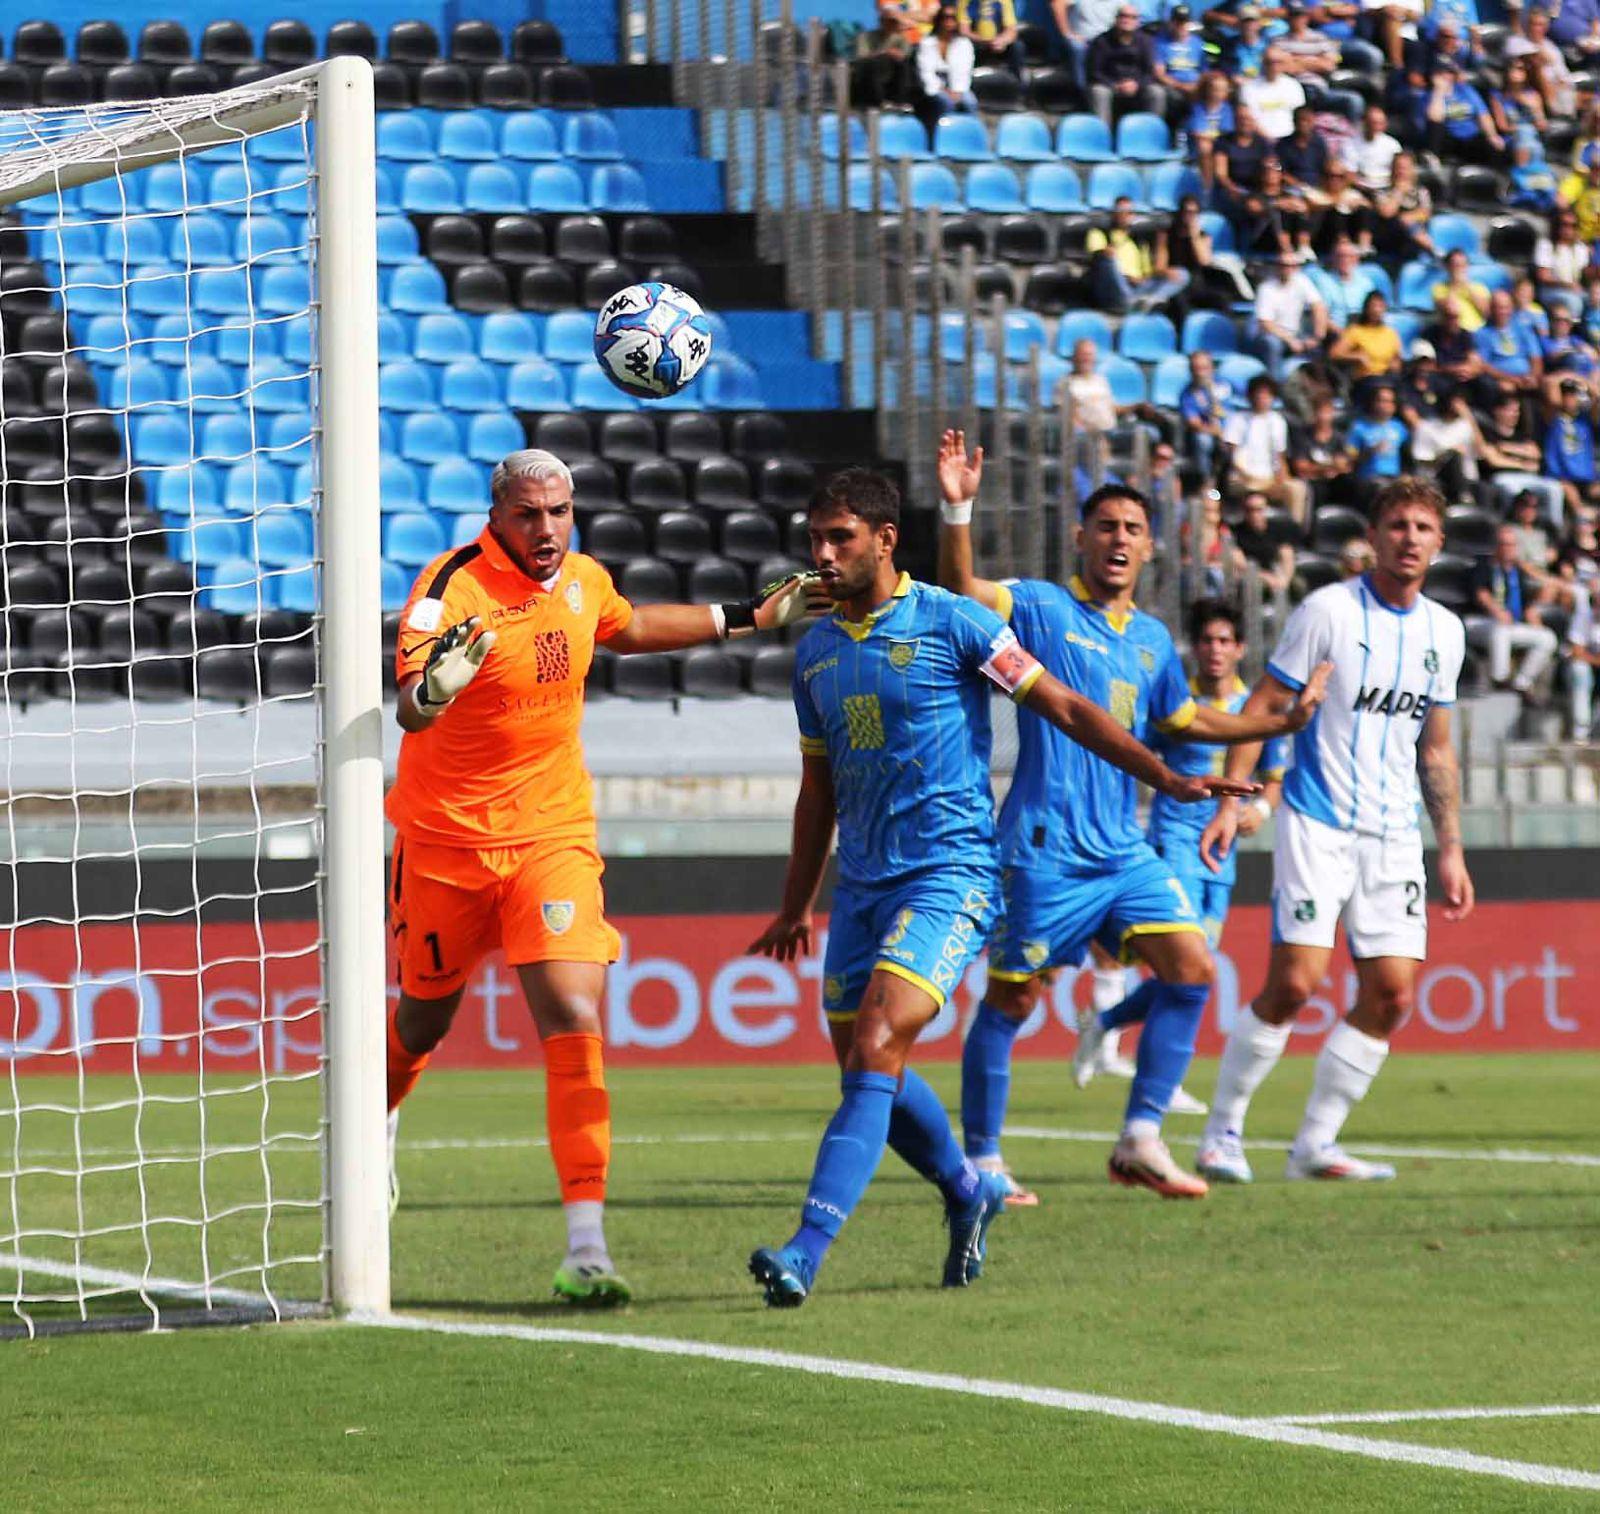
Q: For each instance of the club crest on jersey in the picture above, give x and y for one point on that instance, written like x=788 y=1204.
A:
x=1035 y=953
x=558 y=915
x=1305 y=910
x=903 y=653
x=832 y=988
x=1430 y=660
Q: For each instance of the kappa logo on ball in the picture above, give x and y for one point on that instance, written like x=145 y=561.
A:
x=558 y=915
x=575 y=597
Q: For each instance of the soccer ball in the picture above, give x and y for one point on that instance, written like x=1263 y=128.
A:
x=651 y=340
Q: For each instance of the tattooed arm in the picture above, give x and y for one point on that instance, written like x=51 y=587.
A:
x=1440 y=777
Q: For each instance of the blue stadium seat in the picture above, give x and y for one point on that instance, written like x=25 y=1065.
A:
x=105 y=340
x=229 y=191
x=536 y=385
x=618 y=186
x=467 y=137
x=1417 y=279
x=828 y=137
x=1170 y=182
x=569 y=337
x=388 y=197
x=442 y=336
x=1126 y=380
x=1144 y=138
x=902 y=137
x=289 y=436
x=137 y=384
x=1407 y=325
x=234 y=587
x=1024 y=139
x=160 y=289
x=1053 y=187
x=294 y=590
x=169 y=187
x=258 y=236
x=394 y=337
x=92 y=289
x=285 y=289
x=1452 y=232
x=470 y=385
x=429 y=436
x=418 y=288
x=283 y=538
x=1085 y=138
x=953 y=336
x=468 y=528
x=200 y=240
x=458 y=486
x=591 y=135
x=207 y=542
x=993 y=188
x=405 y=386
x=226 y=437
x=398 y=488
x=732 y=384
x=429 y=189
x=933 y=185
x=1238 y=368
x=1220 y=230
x=394 y=586
x=1211 y=331
x=1109 y=182
x=291 y=191
x=405 y=136
x=70 y=243
x=412 y=539
x=160 y=440
x=188 y=491
x=134 y=242
x=592 y=390
x=860 y=186
x=278 y=386
x=529 y=137
x=252 y=484
x=1078 y=324
x=211 y=387
x=961 y=139
x=1024 y=332
x=490 y=436
x=1147 y=338
x=492 y=189
x=509 y=336
x=556 y=187
x=397 y=240
x=112 y=195
x=1169 y=380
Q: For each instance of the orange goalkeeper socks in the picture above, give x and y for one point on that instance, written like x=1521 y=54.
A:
x=405 y=1067
x=578 y=1115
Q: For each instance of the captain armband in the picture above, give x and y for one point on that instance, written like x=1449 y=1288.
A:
x=1010 y=667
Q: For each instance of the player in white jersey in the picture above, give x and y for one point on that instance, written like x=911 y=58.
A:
x=1349 y=842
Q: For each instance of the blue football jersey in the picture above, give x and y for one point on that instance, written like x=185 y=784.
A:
x=899 y=705
x=1175 y=828
x=1068 y=809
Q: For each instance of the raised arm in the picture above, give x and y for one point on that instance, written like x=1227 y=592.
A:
x=1284 y=719
x=1268 y=696
x=960 y=474
x=1440 y=778
x=789 y=936
x=669 y=628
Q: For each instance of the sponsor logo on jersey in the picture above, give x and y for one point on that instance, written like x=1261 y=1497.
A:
x=574 y=593
x=1087 y=643
x=558 y=915
x=902 y=654
x=819 y=667
x=1395 y=702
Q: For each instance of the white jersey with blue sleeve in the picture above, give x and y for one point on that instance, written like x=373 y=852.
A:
x=1355 y=764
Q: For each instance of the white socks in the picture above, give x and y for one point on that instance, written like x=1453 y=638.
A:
x=1109 y=987
x=1346 y=1065
x=1252 y=1052
x=585 y=1226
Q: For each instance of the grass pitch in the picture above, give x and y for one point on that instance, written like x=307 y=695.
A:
x=1467 y=1283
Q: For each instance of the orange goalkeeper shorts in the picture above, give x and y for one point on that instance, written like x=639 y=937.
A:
x=450 y=906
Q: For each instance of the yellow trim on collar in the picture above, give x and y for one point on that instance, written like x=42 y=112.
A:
x=1239 y=687
x=859 y=630
x=1118 y=620
x=1180 y=719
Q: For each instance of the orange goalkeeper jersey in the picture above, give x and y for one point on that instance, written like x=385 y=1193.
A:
x=504 y=766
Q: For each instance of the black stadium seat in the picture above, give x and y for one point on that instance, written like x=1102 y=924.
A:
x=227 y=674
x=518 y=241
x=351 y=39
x=566 y=88
x=1024 y=239
x=481 y=287
x=505 y=86
x=646 y=676
x=646 y=239
x=38 y=44
x=16 y=89
x=288 y=44
x=649 y=581
x=291 y=671
x=190 y=630
x=594 y=484
x=997 y=89
x=546 y=286
x=166 y=588
x=101 y=44
x=454 y=241
x=682 y=536
x=444 y=86
x=681 y=276
x=628 y=437
x=1053 y=90
x=476 y=43
x=1450 y=581
x=165 y=44
x=257 y=72
x=412 y=44
x=1334 y=526
x=756 y=435
x=227 y=44
x=537 y=43
x=715 y=580
x=692 y=435
x=772 y=672
x=749 y=536
x=709 y=673
x=131 y=81
x=786 y=483
x=566 y=435
x=191 y=79
x=583 y=240
x=391 y=87
x=604 y=280
x=722 y=483
x=615 y=536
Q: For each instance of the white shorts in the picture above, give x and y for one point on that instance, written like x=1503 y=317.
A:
x=1376 y=885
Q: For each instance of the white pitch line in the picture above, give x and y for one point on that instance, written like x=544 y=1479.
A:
x=1534 y=1474
x=110 y=1277
x=1407 y=1416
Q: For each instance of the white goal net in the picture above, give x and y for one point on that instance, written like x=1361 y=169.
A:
x=191 y=950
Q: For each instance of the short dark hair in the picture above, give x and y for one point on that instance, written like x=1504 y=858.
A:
x=1107 y=494
x=871 y=495
x=1406 y=490
x=1203 y=611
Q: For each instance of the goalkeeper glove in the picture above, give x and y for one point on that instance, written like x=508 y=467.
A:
x=452 y=665
x=780 y=603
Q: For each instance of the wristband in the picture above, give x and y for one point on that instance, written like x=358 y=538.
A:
x=958 y=513
x=719 y=622
x=421 y=704
x=1261 y=807
x=731 y=618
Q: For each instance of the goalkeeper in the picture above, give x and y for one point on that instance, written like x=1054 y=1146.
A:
x=495 y=829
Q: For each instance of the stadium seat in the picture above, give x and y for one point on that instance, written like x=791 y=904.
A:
x=399 y=490
x=592 y=390
x=643 y=676
x=1167 y=383
x=1209 y=331
x=583 y=240
x=859 y=187
x=454 y=241
x=1147 y=338
x=1144 y=138
x=530 y=137
x=1238 y=368
x=234 y=588
x=749 y=536
x=412 y=540
x=412 y=44
x=492 y=189
x=165 y=44
x=429 y=189
x=569 y=337
x=656 y=485
x=457 y=487
x=732 y=384
x=537 y=41
x=416 y=289
x=649 y=581
x=101 y=44
x=710 y=673
x=1126 y=380
x=568 y=436
x=555 y=187
x=1170 y=182
x=1054 y=188
x=1085 y=139
x=997 y=89
x=628 y=438
x=828 y=137
x=784 y=483
x=288 y=44
x=1080 y=324
x=405 y=138
x=590 y=135
x=470 y=385
x=1109 y=182
x=135 y=385
x=683 y=536
x=429 y=436
x=619 y=187
x=772 y=672
x=1452 y=232
x=283 y=538
x=722 y=483
x=351 y=39
x=509 y=336
x=993 y=189
x=961 y=139
x=468 y=138
x=1024 y=239
x=476 y=43
x=1024 y=139
x=902 y=137
x=1417 y=279
x=536 y=385
x=933 y=186
x=406 y=386
x=505 y=86
x=262 y=236
x=207 y=542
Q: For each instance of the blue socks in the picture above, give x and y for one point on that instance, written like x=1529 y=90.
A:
x=1133 y=1009
x=986 y=1079
x=852 y=1146
x=920 y=1134
x=1165 y=1045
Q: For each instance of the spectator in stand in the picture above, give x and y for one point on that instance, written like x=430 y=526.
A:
x=1185 y=245
x=1506 y=617
x=1356 y=557
x=1575 y=27
x=1454 y=349
x=1259 y=438
x=1238 y=162
x=1422 y=386
x=1559 y=258
x=1094 y=410
x=1471 y=298
x=1581 y=192
x=1510 y=351
x=1463 y=12
x=1536 y=543
x=1076 y=29
x=1319 y=458
x=1303 y=154
x=1583 y=657
x=1122 y=274
x=1526 y=310
x=996 y=38
x=1568 y=355
x=1284 y=222
x=944 y=69
x=1267 y=540
x=1373 y=152
x=1455 y=121
x=1202 y=407
x=1343 y=282
x=1180 y=61
x=1401 y=213
x=1307 y=53
x=1286 y=305
x=1569 y=447
x=882 y=72
x=912 y=19
x=1164 y=485
x=1122 y=71
x=1245 y=53
x=1518 y=102
x=1377 y=437
x=1560 y=95
x=1513 y=458
x=1449 y=43
x=1369 y=347
x=1448 y=446
x=1210 y=119
x=1273 y=95
x=1384 y=22
x=1338 y=210
x=1578 y=558
x=1533 y=185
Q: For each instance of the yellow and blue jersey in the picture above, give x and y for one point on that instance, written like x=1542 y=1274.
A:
x=1175 y=828
x=899 y=705
x=1069 y=810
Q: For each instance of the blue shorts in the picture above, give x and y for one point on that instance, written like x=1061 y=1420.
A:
x=925 y=929
x=1050 y=919
x=1208 y=892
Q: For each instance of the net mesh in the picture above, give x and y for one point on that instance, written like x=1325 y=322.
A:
x=161 y=1111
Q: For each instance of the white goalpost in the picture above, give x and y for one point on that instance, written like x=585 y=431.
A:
x=192 y=954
